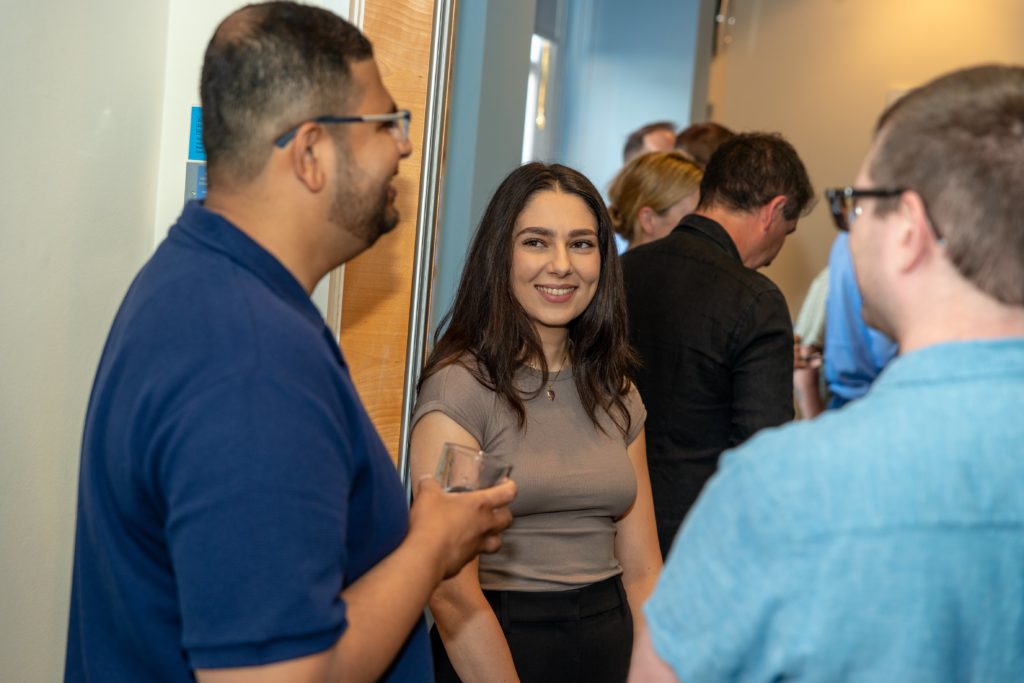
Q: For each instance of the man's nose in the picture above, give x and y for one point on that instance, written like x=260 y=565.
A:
x=404 y=148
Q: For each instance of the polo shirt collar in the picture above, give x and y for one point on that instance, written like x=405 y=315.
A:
x=703 y=226
x=217 y=233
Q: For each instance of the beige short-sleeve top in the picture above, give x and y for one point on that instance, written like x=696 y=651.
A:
x=573 y=480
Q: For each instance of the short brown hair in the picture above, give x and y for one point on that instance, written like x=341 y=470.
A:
x=748 y=170
x=958 y=142
x=267 y=66
x=700 y=140
x=657 y=180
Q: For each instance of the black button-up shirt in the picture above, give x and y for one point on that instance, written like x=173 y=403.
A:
x=716 y=343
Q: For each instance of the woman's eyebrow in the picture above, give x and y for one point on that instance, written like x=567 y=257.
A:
x=536 y=230
x=547 y=232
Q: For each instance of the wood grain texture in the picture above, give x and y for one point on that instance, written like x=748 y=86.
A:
x=378 y=283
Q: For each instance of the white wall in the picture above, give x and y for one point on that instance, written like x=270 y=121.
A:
x=95 y=112
x=821 y=71
x=82 y=86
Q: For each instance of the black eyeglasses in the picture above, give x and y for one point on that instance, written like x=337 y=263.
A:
x=843 y=202
x=398 y=123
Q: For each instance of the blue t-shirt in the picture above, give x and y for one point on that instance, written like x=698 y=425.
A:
x=880 y=542
x=854 y=352
x=231 y=482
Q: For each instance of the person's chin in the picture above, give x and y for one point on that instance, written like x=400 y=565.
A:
x=383 y=220
x=389 y=220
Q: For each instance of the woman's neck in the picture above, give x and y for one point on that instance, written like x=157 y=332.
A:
x=555 y=343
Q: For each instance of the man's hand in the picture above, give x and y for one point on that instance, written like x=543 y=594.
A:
x=805 y=356
x=807 y=361
x=646 y=666
x=463 y=524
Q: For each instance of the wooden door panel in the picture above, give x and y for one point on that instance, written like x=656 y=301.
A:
x=378 y=284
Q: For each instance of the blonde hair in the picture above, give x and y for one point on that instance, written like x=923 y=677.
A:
x=657 y=180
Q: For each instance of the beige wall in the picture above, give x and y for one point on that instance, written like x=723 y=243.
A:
x=820 y=72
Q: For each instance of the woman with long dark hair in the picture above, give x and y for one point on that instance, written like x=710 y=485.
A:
x=534 y=366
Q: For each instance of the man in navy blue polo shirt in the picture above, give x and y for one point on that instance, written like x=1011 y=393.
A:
x=239 y=517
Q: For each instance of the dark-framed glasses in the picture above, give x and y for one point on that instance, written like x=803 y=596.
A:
x=397 y=122
x=843 y=202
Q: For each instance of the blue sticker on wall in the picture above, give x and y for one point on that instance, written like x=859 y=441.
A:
x=196 y=152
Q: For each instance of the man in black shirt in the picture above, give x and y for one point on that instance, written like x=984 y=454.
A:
x=714 y=335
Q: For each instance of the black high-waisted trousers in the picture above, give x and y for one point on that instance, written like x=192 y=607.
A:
x=580 y=635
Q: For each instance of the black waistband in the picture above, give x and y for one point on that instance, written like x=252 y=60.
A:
x=577 y=603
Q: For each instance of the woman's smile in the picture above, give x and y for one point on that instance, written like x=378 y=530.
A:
x=556 y=295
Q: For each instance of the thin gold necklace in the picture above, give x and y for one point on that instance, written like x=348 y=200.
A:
x=550 y=393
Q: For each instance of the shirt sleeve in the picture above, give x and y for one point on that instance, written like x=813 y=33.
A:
x=455 y=392
x=810 y=321
x=725 y=598
x=255 y=475
x=762 y=380
x=637 y=413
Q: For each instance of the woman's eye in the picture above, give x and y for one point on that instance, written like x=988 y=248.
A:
x=533 y=242
x=583 y=244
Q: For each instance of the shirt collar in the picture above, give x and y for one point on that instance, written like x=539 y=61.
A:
x=213 y=231
x=954 y=361
x=695 y=224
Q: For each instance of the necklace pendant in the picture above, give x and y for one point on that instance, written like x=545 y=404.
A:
x=551 y=394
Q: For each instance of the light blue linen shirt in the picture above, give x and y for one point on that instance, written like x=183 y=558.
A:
x=880 y=542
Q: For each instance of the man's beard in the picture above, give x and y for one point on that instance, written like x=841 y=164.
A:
x=365 y=215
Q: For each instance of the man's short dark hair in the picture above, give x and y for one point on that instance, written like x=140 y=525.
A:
x=700 y=140
x=267 y=68
x=958 y=142
x=635 y=142
x=748 y=170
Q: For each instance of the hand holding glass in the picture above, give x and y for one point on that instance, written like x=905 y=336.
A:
x=462 y=468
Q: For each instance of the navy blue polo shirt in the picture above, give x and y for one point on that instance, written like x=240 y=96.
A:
x=231 y=482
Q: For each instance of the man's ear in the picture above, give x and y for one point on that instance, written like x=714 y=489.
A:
x=310 y=154
x=916 y=238
x=645 y=219
x=771 y=211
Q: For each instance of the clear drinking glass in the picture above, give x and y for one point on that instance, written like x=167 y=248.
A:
x=462 y=468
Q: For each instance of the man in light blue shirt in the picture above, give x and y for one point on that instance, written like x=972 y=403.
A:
x=885 y=541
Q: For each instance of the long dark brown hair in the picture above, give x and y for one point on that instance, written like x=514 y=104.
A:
x=488 y=325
